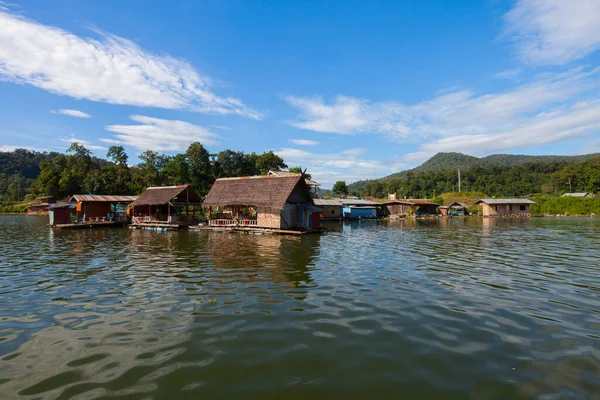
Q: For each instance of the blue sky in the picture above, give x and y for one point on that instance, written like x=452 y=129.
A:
x=350 y=90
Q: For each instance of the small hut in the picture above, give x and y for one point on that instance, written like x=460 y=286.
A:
x=61 y=214
x=332 y=208
x=424 y=207
x=272 y=201
x=101 y=208
x=505 y=207
x=41 y=205
x=166 y=205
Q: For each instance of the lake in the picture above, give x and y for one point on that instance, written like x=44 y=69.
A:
x=453 y=309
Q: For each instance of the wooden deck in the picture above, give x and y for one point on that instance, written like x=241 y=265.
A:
x=256 y=231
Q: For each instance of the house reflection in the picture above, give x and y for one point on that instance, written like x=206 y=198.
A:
x=280 y=258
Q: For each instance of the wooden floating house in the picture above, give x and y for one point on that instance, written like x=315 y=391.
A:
x=90 y=210
x=41 y=205
x=454 y=209
x=267 y=203
x=359 y=209
x=403 y=208
x=165 y=207
x=505 y=207
x=331 y=208
x=101 y=208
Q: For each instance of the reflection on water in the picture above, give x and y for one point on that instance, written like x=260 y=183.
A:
x=443 y=308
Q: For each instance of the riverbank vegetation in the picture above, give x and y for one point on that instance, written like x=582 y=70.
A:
x=26 y=174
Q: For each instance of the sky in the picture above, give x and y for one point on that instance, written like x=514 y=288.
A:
x=349 y=90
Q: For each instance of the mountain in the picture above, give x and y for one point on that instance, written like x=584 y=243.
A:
x=497 y=174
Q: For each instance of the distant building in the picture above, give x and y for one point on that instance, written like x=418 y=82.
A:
x=331 y=209
x=505 y=207
x=402 y=208
x=454 y=209
x=41 y=205
x=576 y=195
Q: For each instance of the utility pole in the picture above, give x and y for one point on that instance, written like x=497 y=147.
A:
x=570 y=187
x=459 y=180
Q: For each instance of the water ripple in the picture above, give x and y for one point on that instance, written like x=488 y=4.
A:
x=458 y=308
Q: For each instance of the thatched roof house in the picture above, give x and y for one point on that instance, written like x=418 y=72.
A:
x=165 y=204
x=280 y=202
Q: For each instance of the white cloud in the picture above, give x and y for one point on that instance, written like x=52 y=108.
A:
x=329 y=168
x=554 y=32
x=225 y=128
x=87 y=144
x=304 y=142
x=509 y=73
x=110 y=69
x=161 y=134
x=464 y=121
x=355 y=152
x=72 y=113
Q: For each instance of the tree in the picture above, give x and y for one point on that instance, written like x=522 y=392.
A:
x=199 y=167
x=340 y=188
x=267 y=162
x=152 y=165
x=232 y=163
x=118 y=155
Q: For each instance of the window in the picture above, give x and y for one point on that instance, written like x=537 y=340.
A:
x=509 y=208
x=523 y=208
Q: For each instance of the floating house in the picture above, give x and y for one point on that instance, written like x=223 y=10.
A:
x=454 y=209
x=312 y=185
x=276 y=202
x=166 y=207
x=332 y=208
x=354 y=208
x=396 y=208
x=505 y=207
x=62 y=214
x=101 y=208
x=402 y=208
x=41 y=205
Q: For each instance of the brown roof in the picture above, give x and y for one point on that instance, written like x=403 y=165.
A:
x=157 y=195
x=270 y=191
x=102 y=198
x=286 y=173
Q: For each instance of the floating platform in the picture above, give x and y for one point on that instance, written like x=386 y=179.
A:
x=257 y=231
x=158 y=226
x=92 y=224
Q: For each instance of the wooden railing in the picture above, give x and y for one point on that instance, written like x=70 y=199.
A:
x=139 y=220
x=221 y=222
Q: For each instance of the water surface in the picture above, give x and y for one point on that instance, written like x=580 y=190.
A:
x=410 y=309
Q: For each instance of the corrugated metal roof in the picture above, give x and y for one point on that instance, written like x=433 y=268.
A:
x=327 y=202
x=505 y=201
x=102 y=197
x=359 y=202
x=575 y=194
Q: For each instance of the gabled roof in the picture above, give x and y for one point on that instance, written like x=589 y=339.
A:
x=158 y=195
x=102 y=198
x=359 y=202
x=575 y=194
x=505 y=201
x=269 y=191
x=458 y=204
x=392 y=202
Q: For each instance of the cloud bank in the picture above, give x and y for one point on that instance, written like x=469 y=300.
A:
x=110 y=69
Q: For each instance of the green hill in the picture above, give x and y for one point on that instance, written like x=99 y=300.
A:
x=496 y=175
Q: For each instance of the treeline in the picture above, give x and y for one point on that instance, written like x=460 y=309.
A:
x=552 y=178
x=77 y=171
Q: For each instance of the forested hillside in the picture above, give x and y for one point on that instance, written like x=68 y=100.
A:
x=27 y=174
x=496 y=175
